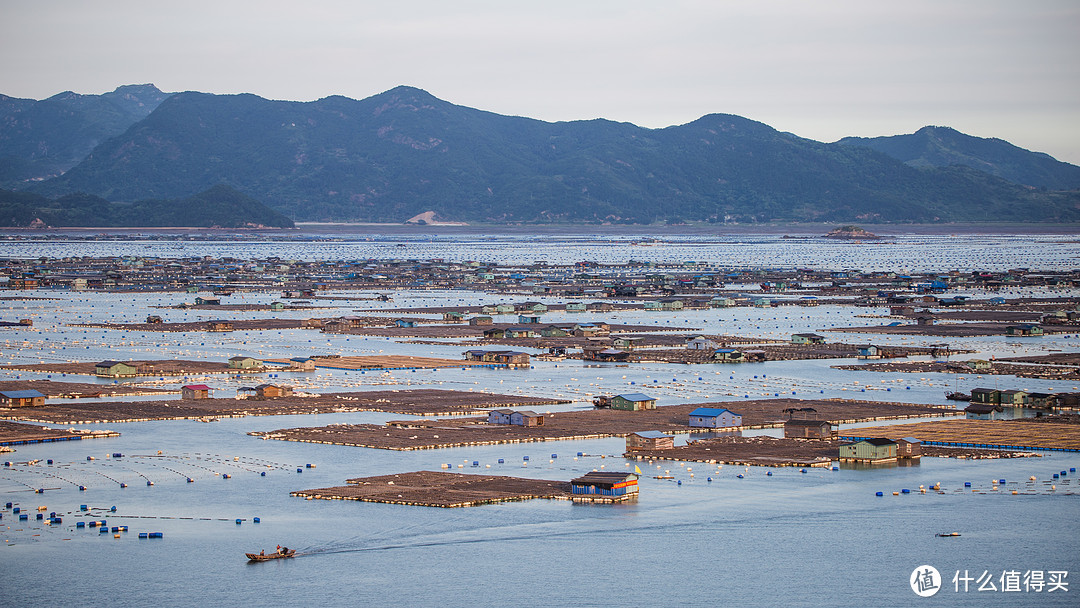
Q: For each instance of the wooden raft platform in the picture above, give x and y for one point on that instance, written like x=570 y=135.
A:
x=388 y=362
x=16 y=433
x=78 y=390
x=997 y=368
x=750 y=451
x=171 y=367
x=955 y=330
x=1051 y=359
x=772 y=352
x=588 y=424
x=1005 y=434
x=199 y=326
x=440 y=489
x=430 y=402
x=786 y=452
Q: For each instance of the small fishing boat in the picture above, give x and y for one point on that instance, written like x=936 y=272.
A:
x=262 y=557
x=944 y=534
x=958 y=396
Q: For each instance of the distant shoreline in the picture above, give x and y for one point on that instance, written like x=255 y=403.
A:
x=885 y=231
x=794 y=229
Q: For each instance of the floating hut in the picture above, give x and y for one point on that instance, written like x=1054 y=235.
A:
x=873 y=449
x=649 y=440
x=24 y=398
x=610 y=485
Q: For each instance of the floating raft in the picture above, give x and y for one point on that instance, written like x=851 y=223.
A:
x=995 y=434
x=76 y=390
x=388 y=362
x=954 y=330
x=15 y=433
x=589 y=424
x=997 y=368
x=440 y=489
x=413 y=402
x=147 y=368
x=749 y=451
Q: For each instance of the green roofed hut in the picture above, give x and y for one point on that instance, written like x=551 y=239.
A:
x=633 y=402
x=115 y=369
x=873 y=449
x=239 y=362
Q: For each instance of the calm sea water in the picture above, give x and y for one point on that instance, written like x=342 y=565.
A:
x=815 y=538
x=901 y=252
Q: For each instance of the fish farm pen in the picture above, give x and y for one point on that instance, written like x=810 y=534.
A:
x=419 y=401
x=390 y=363
x=952 y=330
x=591 y=424
x=749 y=451
x=997 y=368
x=1018 y=434
x=149 y=369
x=785 y=452
x=79 y=390
x=16 y=433
x=199 y=326
x=441 y=489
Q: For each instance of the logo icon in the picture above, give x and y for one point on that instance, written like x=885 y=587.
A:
x=925 y=581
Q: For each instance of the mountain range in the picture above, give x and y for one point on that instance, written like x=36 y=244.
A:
x=43 y=139
x=942 y=147
x=404 y=152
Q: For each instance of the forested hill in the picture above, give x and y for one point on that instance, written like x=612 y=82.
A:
x=942 y=146
x=220 y=206
x=404 y=152
x=42 y=139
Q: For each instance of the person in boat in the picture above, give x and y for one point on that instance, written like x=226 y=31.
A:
x=284 y=550
x=262 y=552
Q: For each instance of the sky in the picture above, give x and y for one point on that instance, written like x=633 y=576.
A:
x=820 y=69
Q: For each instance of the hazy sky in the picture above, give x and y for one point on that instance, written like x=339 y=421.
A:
x=820 y=69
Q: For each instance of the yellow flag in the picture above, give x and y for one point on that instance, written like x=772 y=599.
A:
x=637 y=469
